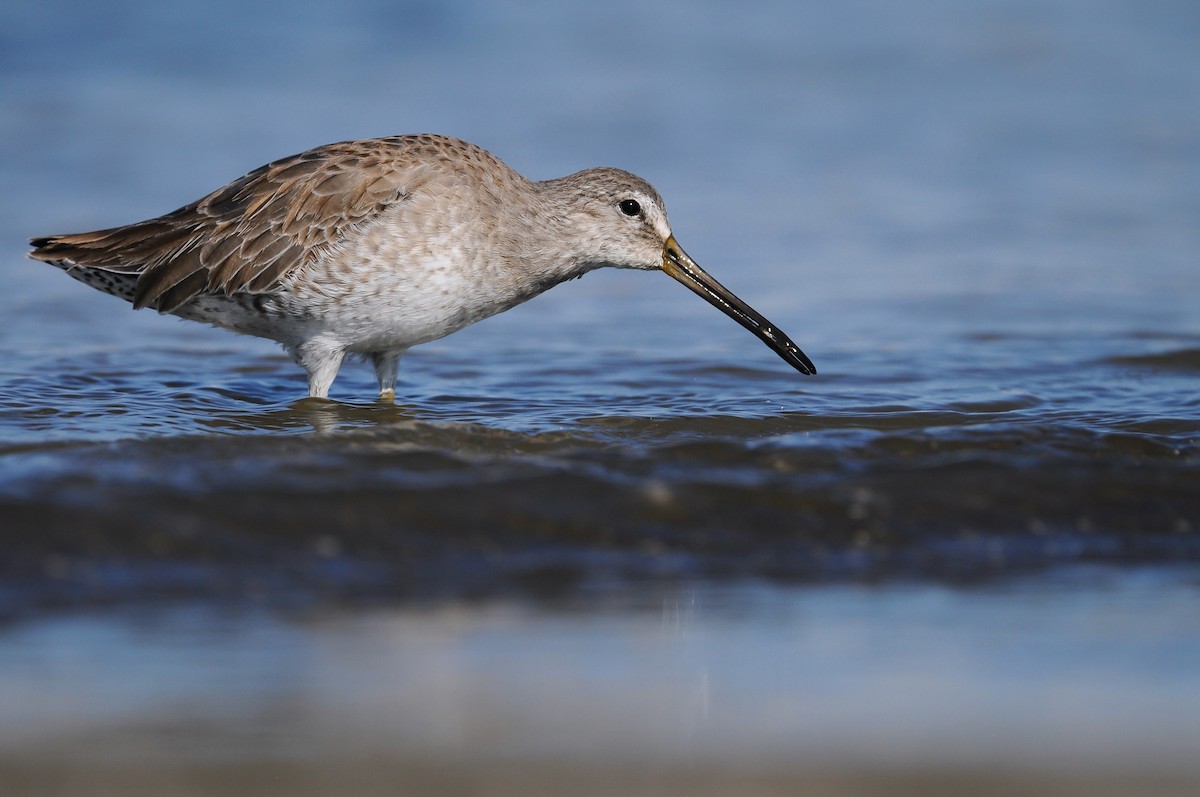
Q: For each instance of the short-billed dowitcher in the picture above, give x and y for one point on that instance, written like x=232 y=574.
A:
x=370 y=247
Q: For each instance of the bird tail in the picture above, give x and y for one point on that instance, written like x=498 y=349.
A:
x=112 y=260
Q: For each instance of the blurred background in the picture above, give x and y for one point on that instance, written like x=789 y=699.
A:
x=607 y=542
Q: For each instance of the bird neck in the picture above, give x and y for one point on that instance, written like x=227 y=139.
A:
x=550 y=239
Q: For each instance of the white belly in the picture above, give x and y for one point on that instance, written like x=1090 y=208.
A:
x=374 y=298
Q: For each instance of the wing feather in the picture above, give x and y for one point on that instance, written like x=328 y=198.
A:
x=250 y=234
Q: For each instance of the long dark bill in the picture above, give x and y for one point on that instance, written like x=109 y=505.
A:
x=679 y=265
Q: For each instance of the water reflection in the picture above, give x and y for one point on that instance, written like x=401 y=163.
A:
x=1081 y=670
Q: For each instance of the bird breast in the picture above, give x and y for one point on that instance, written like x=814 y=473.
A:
x=409 y=278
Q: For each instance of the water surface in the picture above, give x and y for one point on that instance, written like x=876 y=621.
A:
x=608 y=534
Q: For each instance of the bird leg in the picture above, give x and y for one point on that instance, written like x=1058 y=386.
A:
x=386 y=364
x=321 y=360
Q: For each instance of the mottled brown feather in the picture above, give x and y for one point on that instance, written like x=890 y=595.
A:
x=183 y=291
x=272 y=273
x=217 y=253
x=174 y=270
x=253 y=232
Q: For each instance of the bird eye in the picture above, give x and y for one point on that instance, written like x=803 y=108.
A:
x=630 y=207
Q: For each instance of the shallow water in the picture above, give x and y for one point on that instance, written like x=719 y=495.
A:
x=909 y=678
x=969 y=546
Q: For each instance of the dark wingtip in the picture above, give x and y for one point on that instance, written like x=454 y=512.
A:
x=54 y=249
x=41 y=246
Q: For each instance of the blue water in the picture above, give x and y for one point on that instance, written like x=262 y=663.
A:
x=969 y=543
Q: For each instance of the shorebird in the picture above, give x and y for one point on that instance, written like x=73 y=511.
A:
x=371 y=247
